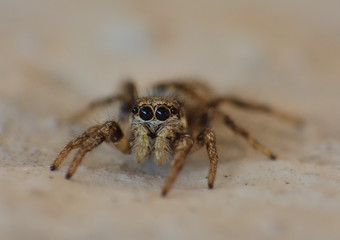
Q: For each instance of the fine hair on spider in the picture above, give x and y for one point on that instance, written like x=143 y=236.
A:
x=171 y=121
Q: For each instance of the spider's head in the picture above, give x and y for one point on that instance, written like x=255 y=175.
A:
x=156 y=123
x=156 y=112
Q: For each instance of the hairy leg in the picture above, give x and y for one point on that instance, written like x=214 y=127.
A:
x=255 y=107
x=127 y=96
x=207 y=137
x=252 y=141
x=91 y=138
x=184 y=146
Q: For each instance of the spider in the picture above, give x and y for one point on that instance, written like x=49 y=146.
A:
x=171 y=121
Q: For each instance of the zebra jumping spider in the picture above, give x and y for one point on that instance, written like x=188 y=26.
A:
x=172 y=121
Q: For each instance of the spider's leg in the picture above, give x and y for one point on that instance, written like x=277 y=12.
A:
x=129 y=93
x=91 y=138
x=252 y=141
x=237 y=102
x=182 y=149
x=207 y=137
x=80 y=155
x=127 y=97
x=75 y=143
x=94 y=105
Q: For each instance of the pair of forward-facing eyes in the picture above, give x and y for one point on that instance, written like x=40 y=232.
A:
x=161 y=112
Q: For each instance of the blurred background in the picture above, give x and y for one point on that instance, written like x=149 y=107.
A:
x=287 y=52
x=265 y=46
x=57 y=55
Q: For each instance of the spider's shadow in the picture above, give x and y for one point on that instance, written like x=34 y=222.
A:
x=148 y=167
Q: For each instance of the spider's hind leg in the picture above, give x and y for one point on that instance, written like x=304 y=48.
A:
x=247 y=105
x=252 y=141
x=127 y=96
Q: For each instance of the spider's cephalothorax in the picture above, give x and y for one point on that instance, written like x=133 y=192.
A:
x=172 y=121
x=157 y=122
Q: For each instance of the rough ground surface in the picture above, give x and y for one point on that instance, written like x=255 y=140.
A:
x=56 y=56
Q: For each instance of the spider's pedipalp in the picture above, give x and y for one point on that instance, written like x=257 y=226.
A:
x=162 y=144
x=141 y=143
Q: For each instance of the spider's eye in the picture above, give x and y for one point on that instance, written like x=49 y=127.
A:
x=174 y=110
x=135 y=110
x=162 y=113
x=146 y=113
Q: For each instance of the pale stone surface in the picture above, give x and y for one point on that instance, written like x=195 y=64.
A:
x=56 y=56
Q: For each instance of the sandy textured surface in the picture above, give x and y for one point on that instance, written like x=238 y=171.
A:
x=56 y=56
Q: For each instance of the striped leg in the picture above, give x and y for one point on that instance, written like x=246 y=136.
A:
x=127 y=97
x=183 y=148
x=252 y=141
x=94 y=136
x=207 y=137
x=237 y=102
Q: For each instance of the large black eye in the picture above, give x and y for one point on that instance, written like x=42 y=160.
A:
x=146 y=113
x=162 y=113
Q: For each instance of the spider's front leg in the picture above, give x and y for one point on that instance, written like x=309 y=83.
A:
x=91 y=138
x=183 y=147
x=207 y=137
